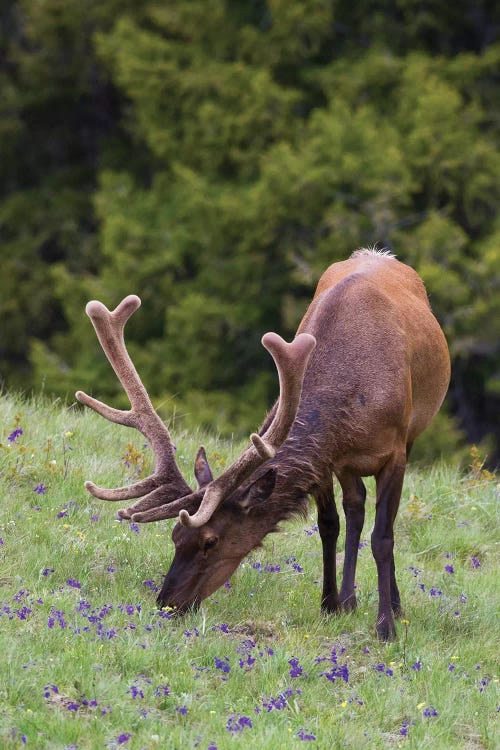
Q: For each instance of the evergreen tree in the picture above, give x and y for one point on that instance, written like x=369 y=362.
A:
x=214 y=157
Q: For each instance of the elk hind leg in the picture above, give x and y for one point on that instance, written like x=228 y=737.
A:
x=389 y=485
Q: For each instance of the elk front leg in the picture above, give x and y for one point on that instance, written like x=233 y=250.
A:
x=353 y=502
x=328 y=525
x=389 y=486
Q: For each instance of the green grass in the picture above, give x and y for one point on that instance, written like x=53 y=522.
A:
x=108 y=641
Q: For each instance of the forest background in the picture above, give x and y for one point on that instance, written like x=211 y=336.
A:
x=215 y=157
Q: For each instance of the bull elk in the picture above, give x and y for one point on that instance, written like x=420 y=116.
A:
x=365 y=375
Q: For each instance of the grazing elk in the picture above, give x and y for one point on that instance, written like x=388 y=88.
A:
x=365 y=375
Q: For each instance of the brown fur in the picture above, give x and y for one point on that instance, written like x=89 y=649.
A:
x=377 y=377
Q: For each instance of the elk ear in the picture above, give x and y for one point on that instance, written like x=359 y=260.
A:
x=259 y=491
x=202 y=470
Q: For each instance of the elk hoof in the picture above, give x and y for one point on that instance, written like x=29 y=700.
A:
x=386 y=630
x=349 y=604
x=330 y=605
x=397 y=610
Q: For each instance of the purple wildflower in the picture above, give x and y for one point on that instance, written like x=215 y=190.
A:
x=305 y=735
x=123 y=738
x=475 y=562
x=15 y=435
x=222 y=664
x=313 y=530
x=181 y=710
x=129 y=609
x=337 y=673
x=23 y=613
x=405 y=729
x=273 y=704
x=449 y=569
x=73 y=583
x=1 y=542
x=248 y=661
x=135 y=692
x=417 y=666
x=134 y=527
x=50 y=690
x=62 y=513
x=238 y=724
x=296 y=670
x=56 y=614
x=162 y=690
x=14 y=733
x=40 y=489
x=485 y=681
x=430 y=711
x=451 y=667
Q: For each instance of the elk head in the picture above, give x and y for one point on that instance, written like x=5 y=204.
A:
x=220 y=522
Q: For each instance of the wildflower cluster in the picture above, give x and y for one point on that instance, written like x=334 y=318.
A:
x=337 y=671
x=305 y=735
x=296 y=669
x=249 y=653
x=277 y=703
x=286 y=562
x=53 y=696
x=237 y=724
x=15 y=435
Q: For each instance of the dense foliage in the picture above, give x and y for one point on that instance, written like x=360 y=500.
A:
x=214 y=157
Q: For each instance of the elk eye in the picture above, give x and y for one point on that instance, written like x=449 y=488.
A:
x=210 y=542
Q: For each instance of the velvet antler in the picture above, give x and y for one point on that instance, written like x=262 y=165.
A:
x=165 y=493
x=109 y=327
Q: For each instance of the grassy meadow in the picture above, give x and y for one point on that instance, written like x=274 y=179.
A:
x=87 y=660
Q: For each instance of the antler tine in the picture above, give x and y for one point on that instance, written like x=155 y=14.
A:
x=109 y=327
x=143 y=514
x=291 y=361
